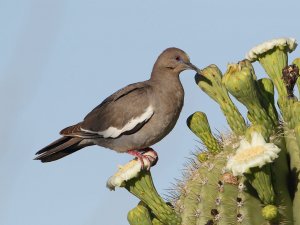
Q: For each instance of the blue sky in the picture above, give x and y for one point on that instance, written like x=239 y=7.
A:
x=60 y=58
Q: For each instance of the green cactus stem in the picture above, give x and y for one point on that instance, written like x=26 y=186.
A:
x=260 y=179
x=143 y=188
x=210 y=81
x=297 y=62
x=142 y=215
x=139 y=215
x=296 y=122
x=155 y=221
x=213 y=196
x=292 y=146
x=296 y=113
x=203 y=187
x=226 y=203
x=298 y=85
x=139 y=182
x=274 y=69
x=266 y=90
x=199 y=125
x=248 y=205
x=251 y=118
x=281 y=171
x=286 y=104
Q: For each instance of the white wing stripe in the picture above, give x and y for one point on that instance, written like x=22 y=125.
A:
x=114 y=132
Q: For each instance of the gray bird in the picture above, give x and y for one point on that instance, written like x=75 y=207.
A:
x=133 y=118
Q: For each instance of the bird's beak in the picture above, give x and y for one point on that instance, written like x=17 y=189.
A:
x=191 y=66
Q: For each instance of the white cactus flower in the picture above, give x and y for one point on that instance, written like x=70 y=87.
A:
x=254 y=154
x=254 y=53
x=130 y=170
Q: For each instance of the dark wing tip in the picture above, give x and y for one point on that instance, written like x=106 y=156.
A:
x=37 y=158
x=42 y=160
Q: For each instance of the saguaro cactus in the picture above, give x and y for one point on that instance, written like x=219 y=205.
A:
x=250 y=176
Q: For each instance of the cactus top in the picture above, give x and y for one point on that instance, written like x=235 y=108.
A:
x=130 y=170
x=254 y=53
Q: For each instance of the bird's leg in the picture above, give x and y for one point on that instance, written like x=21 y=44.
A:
x=153 y=159
x=142 y=156
x=139 y=156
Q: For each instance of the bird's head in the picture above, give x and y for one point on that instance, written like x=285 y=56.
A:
x=173 y=60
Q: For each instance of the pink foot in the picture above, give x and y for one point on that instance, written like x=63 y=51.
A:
x=151 y=155
x=147 y=154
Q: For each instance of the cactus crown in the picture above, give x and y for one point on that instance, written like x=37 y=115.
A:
x=250 y=176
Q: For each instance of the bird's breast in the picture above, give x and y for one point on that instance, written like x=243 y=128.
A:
x=166 y=111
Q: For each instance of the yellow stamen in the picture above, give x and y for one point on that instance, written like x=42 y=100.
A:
x=249 y=153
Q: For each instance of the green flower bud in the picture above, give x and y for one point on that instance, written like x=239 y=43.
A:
x=239 y=81
x=139 y=215
x=199 y=125
x=202 y=157
x=270 y=212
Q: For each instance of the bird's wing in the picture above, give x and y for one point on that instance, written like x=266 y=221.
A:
x=124 y=112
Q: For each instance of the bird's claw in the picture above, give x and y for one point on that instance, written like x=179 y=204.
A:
x=147 y=159
x=151 y=159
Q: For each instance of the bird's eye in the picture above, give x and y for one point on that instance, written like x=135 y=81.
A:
x=178 y=58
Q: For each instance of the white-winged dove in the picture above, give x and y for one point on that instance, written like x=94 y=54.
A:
x=133 y=118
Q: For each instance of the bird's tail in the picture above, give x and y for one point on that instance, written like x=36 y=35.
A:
x=60 y=148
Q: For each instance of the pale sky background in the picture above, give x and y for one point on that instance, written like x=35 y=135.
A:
x=61 y=58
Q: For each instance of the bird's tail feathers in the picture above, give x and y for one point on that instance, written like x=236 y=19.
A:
x=60 y=148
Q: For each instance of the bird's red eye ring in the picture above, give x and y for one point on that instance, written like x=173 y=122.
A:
x=177 y=58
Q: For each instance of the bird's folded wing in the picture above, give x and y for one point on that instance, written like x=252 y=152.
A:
x=124 y=112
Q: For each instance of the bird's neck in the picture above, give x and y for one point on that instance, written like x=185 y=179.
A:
x=164 y=75
x=166 y=80
x=168 y=89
